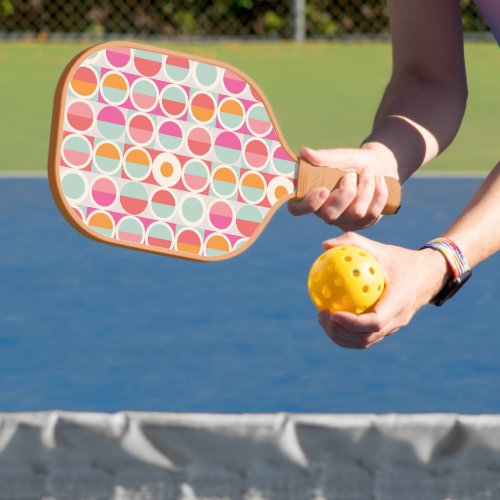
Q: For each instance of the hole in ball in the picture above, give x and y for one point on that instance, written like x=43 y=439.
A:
x=356 y=273
x=317 y=301
x=366 y=289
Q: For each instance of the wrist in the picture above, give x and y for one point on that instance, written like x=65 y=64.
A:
x=388 y=165
x=437 y=272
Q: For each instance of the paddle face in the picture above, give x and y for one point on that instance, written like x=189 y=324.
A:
x=164 y=152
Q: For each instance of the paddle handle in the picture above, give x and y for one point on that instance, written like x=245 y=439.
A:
x=312 y=177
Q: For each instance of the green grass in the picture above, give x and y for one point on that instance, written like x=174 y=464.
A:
x=323 y=94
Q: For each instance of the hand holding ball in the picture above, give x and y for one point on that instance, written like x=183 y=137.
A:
x=346 y=278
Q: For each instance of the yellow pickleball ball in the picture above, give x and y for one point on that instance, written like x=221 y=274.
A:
x=346 y=278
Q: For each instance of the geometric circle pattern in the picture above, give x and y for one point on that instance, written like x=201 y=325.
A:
x=166 y=152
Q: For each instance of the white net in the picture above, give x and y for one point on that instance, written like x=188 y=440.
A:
x=153 y=456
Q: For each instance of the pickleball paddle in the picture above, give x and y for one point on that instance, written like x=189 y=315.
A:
x=172 y=153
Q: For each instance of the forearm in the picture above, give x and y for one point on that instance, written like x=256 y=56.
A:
x=477 y=230
x=424 y=103
x=416 y=121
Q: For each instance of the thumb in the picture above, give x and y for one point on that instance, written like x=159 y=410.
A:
x=348 y=238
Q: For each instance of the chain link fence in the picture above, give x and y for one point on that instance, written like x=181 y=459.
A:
x=283 y=19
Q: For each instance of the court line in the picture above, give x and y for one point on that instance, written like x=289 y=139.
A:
x=453 y=174
x=23 y=175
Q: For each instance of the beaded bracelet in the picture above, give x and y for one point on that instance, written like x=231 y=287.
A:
x=459 y=267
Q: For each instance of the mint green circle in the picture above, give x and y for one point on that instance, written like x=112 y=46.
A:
x=132 y=226
x=134 y=190
x=206 y=74
x=196 y=168
x=249 y=213
x=176 y=73
x=77 y=143
x=192 y=210
x=73 y=186
x=146 y=87
x=161 y=231
x=253 y=195
x=258 y=112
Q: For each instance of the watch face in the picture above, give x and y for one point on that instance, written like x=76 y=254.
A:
x=451 y=288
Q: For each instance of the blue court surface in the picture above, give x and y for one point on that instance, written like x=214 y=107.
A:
x=90 y=327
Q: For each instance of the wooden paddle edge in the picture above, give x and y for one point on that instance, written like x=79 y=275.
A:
x=56 y=139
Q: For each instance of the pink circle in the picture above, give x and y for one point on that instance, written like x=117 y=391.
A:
x=140 y=129
x=118 y=57
x=256 y=153
x=104 y=192
x=199 y=141
x=221 y=215
x=147 y=63
x=233 y=83
x=80 y=116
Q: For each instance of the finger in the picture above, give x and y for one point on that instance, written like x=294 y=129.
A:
x=348 y=238
x=380 y=197
x=352 y=340
x=374 y=210
x=356 y=215
x=362 y=324
x=349 y=338
x=364 y=196
x=373 y=325
x=362 y=340
x=344 y=344
x=311 y=203
x=357 y=224
x=340 y=199
x=342 y=340
x=338 y=334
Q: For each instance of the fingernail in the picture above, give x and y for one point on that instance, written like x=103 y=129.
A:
x=324 y=194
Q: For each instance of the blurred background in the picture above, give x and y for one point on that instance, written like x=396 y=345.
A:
x=263 y=19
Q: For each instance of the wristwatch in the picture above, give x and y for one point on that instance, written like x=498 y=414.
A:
x=460 y=270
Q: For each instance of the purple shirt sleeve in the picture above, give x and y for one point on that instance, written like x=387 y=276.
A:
x=490 y=9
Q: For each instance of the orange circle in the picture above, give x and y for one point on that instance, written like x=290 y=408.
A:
x=280 y=191
x=166 y=169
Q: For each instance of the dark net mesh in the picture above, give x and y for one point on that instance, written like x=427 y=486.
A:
x=205 y=18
